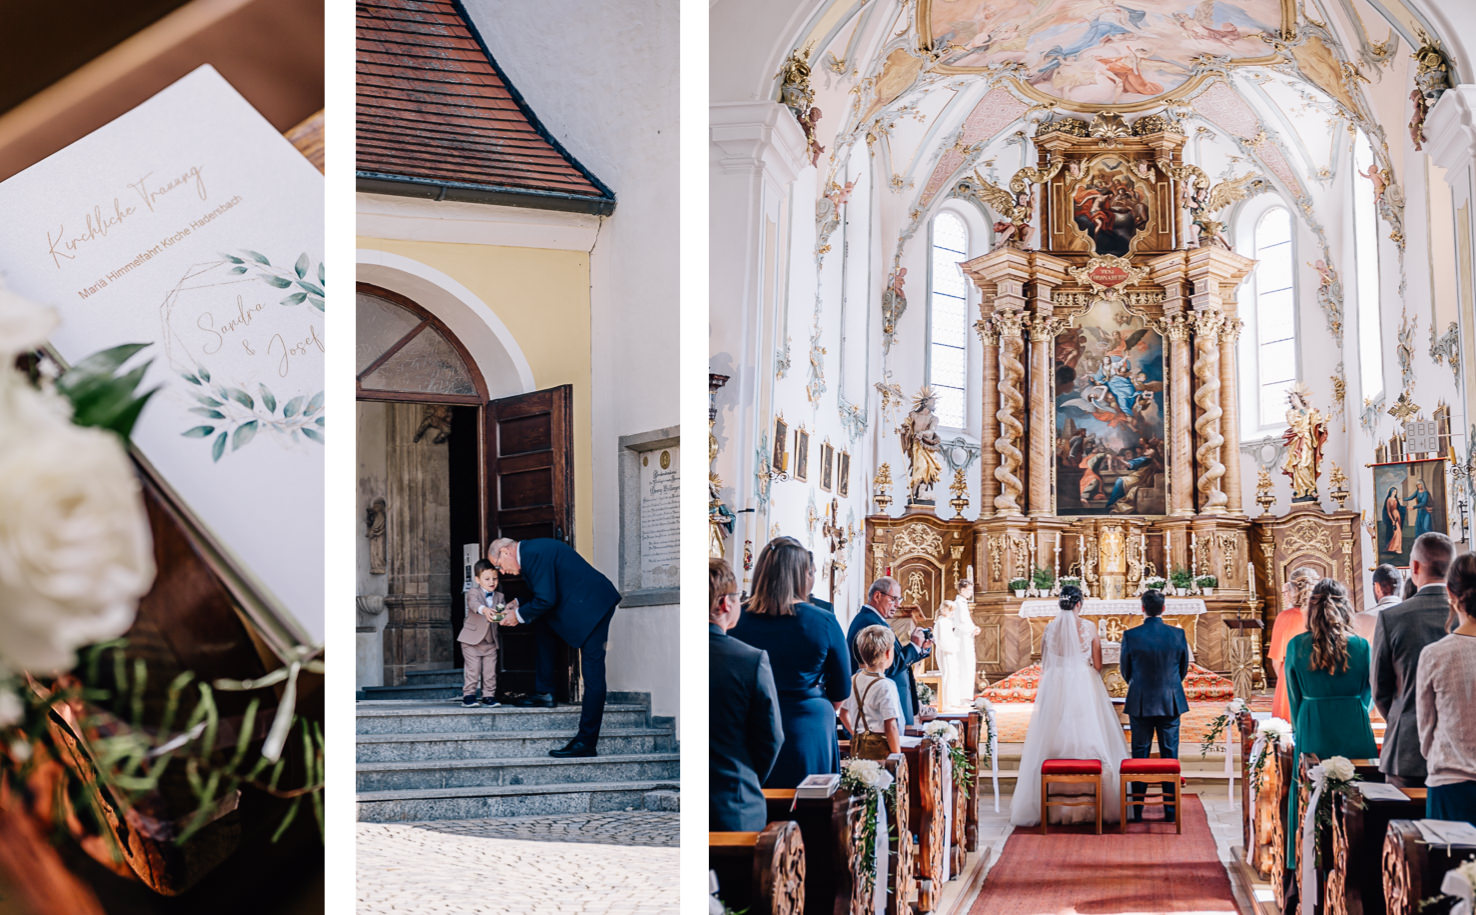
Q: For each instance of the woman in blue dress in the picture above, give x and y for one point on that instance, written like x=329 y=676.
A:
x=807 y=650
x=1423 y=513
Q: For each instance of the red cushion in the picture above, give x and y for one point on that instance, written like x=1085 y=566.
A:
x=1071 y=767
x=1150 y=766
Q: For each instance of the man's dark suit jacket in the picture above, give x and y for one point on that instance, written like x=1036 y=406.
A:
x=904 y=655
x=1400 y=634
x=568 y=593
x=1154 y=660
x=744 y=730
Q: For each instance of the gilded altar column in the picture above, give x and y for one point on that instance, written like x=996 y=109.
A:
x=1043 y=332
x=1207 y=399
x=1230 y=403
x=1011 y=411
x=988 y=457
x=1181 y=475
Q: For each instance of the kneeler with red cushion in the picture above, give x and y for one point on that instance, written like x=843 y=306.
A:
x=1070 y=771
x=1162 y=772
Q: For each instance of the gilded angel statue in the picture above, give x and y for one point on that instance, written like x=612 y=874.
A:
x=1016 y=206
x=1202 y=201
x=1306 y=432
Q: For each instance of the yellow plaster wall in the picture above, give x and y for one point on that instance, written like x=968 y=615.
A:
x=542 y=296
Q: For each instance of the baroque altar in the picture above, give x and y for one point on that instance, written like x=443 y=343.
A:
x=1110 y=396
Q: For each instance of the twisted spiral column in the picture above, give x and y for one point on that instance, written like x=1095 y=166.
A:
x=988 y=458
x=1043 y=331
x=1212 y=498
x=1181 y=483
x=1230 y=402
x=1011 y=408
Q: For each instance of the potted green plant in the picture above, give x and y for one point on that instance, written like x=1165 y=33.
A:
x=1181 y=580
x=1071 y=580
x=1154 y=583
x=1018 y=585
x=1044 y=580
x=1207 y=584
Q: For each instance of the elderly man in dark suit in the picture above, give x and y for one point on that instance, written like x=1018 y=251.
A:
x=1400 y=634
x=744 y=727
x=1154 y=662
x=573 y=601
x=882 y=601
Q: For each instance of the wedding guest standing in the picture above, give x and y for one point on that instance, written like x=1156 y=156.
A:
x=1386 y=595
x=1401 y=634
x=1328 y=687
x=882 y=600
x=807 y=651
x=743 y=713
x=1445 y=703
x=573 y=602
x=1290 y=622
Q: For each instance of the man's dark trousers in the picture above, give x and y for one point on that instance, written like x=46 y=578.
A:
x=1167 y=729
x=591 y=673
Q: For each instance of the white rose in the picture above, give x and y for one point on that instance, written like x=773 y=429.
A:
x=1236 y=707
x=1275 y=729
x=75 y=549
x=10 y=708
x=24 y=326
x=1339 y=768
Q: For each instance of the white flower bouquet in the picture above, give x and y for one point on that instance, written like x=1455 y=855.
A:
x=1460 y=882
x=941 y=731
x=870 y=780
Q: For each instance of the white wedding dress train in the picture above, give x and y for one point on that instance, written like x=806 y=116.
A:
x=1073 y=719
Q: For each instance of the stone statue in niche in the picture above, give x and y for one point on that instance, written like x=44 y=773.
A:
x=923 y=446
x=436 y=422
x=1305 y=435
x=374 y=526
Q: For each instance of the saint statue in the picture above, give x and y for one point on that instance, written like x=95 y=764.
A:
x=1306 y=431
x=953 y=633
x=921 y=443
x=374 y=526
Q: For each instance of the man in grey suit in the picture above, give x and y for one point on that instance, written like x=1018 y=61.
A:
x=1401 y=633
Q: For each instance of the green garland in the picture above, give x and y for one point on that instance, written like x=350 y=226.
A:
x=868 y=826
x=1211 y=740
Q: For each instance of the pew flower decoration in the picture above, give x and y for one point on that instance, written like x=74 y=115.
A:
x=1270 y=736
x=986 y=708
x=1460 y=882
x=946 y=734
x=1334 y=775
x=1219 y=724
x=924 y=694
x=868 y=779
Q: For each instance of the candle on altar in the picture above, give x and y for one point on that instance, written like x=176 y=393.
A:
x=1058 y=555
x=1081 y=555
x=1143 y=549
x=1250 y=577
x=1193 y=554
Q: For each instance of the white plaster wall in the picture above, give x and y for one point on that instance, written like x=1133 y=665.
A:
x=604 y=83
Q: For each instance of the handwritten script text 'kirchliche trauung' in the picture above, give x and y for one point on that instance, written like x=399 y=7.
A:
x=139 y=198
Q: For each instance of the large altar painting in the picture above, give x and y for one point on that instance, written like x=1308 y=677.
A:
x=1094 y=53
x=1110 y=205
x=1410 y=498
x=1110 y=416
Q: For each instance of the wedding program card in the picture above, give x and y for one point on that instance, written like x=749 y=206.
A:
x=190 y=224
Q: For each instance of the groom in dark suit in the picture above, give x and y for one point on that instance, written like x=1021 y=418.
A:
x=1154 y=661
x=573 y=601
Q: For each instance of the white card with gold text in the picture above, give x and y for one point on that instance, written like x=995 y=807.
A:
x=190 y=224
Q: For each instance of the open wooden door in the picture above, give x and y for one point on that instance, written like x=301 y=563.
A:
x=529 y=452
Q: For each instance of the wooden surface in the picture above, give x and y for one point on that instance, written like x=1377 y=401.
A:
x=1412 y=870
x=1355 y=885
x=762 y=872
x=830 y=830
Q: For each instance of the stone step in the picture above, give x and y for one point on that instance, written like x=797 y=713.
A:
x=527 y=771
x=433 y=748
x=412 y=805
x=443 y=717
x=446 y=676
x=428 y=691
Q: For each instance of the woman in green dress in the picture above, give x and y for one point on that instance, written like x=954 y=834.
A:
x=1329 y=688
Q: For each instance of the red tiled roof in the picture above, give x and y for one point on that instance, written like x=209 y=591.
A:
x=437 y=118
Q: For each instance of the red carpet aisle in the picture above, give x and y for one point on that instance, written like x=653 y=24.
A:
x=1076 y=872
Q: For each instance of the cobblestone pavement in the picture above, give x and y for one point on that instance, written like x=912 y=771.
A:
x=594 y=864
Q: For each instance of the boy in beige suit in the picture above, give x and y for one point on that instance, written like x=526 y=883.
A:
x=478 y=638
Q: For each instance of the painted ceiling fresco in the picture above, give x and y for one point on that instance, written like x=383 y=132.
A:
x=1087 y=54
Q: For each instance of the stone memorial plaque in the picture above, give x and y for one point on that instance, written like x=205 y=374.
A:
x=660 y=518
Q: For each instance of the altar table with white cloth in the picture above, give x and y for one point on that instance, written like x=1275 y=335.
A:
x=1113 y=617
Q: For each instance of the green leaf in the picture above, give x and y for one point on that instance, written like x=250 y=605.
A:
x=238 y=270
x=295 y=299
x=287 y=820
x=267 y=399
x=314 y=288
x=293 y=406
x=105 y=362
x=204 y=373
x=301 y=267
x=207 y=413
x=313 y=434
x=208 y=401
x=218 y=448
x=234 y=259
x=322 y=277
x=315 y=404
x=317 y=303
x=259 y=258
x=199 y=432
x=190 y=378
x=248 y=722
x=320 y=419
x=242 y=398
x=244 y=433
x=281 y=282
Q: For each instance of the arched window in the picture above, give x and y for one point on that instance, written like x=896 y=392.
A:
x=405 y=353
x=1275 y=314
x=948 y=319
x=1366 y=246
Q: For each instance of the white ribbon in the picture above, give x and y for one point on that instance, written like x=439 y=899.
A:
x=879 y=888
x=947 y=813
x=1307 y=858
x=1458 y=885
x=1257 y=749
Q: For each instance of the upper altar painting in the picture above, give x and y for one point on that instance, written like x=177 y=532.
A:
x=1092 y=55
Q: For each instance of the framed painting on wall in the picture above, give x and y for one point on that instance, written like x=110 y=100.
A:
x=1409 y=501
x=827 y=467
x=843 y=474
x=781 y=444
x=801 y=454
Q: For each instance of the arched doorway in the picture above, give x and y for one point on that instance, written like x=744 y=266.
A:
x=443 y=470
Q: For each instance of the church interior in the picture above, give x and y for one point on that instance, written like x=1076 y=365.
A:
x=1012 y=296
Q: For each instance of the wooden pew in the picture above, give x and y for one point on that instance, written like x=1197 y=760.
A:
x=831 y=829
x=1355 y=886
x=925 y=819
x=971 y=727
x=1367 y=770
x=1245 y=728
x=901 y=881
x=1277 y=819
x=1412 y=869
x=763 y=872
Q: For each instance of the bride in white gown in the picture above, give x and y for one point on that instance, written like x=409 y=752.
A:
x=1073 y=719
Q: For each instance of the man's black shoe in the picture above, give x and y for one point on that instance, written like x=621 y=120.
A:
x=573 y=748
x=536 y=700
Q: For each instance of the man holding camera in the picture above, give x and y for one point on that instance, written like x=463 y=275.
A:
x=882 y=601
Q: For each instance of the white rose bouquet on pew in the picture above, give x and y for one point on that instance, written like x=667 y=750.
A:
x=1334 y=775
x=1460 y=882
x=986 y=707
x=946 y=734
x=870 y=780
x=1271 y=735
